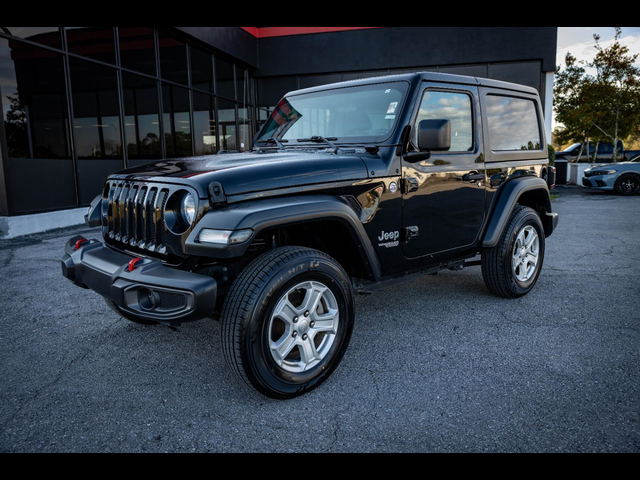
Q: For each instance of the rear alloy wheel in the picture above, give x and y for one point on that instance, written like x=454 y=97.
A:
x=511 y=269
x=628 y=185
x=526 y=254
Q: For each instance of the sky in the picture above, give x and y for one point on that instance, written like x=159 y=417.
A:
x=579 y=41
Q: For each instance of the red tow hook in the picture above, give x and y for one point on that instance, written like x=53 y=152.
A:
x=79 y=243
x=133 y=263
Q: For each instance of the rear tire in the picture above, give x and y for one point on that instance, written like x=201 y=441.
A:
x=512 y=268
x=628 y=185
x=287 y=321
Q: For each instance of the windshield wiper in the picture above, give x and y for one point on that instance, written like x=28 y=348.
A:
x=278 y=143
x=317 y=139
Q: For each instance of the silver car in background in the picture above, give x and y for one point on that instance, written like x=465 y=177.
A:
x=622 y=178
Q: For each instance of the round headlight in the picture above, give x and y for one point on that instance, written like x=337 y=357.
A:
x=189 y=209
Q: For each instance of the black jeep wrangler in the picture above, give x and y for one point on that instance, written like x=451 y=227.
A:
x=350 y=187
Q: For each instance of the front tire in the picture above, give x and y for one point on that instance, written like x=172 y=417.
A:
x=287 y=321
x=512 y=268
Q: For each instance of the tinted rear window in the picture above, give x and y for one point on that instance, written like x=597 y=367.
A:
x=513 y=124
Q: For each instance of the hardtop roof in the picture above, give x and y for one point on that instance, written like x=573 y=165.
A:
x=424 y=76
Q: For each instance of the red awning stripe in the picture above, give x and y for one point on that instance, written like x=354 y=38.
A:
x=267 y=32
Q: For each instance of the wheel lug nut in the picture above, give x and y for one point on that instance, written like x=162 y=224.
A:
x=305 y=337
x=307 y=314
x=295 y=334
x=313 y=324
x=296 y=320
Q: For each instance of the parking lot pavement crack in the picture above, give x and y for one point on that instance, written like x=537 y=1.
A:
x=336 y=435
x=611 y=251
x=377 y=388
x=8 y=260
x=36 y=395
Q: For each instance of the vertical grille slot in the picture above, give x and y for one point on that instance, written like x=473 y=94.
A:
x=110 y=216
x=161 y=230
x=151 y=218
x=141 y=231
x=130 y=215
x=136 y=216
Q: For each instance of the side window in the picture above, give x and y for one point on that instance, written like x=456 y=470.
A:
x=513 y=124
x=455 y=107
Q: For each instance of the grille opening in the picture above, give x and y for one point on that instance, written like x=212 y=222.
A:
x=136 y=214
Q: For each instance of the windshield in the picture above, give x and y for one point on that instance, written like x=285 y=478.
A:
x=366 y=114
x=636 y=160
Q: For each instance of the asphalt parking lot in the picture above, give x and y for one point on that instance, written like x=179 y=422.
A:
x=436 y=364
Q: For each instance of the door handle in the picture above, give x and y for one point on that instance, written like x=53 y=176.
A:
x=474 y=177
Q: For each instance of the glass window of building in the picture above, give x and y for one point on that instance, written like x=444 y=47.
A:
x=137 y=49
x=225 y=79
x=96 y=110
x=246 y=128
x=513 y=124
x=141 y=117
x=96 y=127
x=202 y=70
x=227 y=125
x=242 y=86
x=34 y=101
x=96 y=43
x=204 y=124
x=177 y=121
x=49 y=36
x=173 y=59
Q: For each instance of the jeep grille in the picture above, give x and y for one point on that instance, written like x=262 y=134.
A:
x=134 y=218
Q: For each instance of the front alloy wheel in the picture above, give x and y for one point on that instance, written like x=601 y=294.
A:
x=303 y=327
x=287 y=321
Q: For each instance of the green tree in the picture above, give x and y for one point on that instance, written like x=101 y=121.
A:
x=573 y=110
x=603 y=107
x=616 y=91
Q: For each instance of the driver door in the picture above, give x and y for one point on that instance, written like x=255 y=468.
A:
x=444 y=197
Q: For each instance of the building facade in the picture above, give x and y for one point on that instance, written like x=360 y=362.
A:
x=79 y=103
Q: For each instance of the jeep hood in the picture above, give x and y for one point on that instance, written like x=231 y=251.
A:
x=253 y=172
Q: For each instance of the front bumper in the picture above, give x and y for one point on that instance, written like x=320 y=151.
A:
x=600 y=182
x=147 y=290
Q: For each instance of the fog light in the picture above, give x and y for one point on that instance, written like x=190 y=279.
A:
x=148 y=300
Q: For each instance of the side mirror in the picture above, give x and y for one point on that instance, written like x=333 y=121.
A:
x=434 y=136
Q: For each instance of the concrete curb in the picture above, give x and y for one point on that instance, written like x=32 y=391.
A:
x=13 y=227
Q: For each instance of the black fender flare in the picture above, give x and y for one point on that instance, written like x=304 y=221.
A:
x=261 y=215
x=508 y=198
